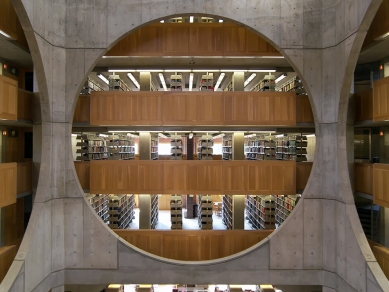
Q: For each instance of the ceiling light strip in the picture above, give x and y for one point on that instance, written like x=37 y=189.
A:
x=252 y=76
x=190 y=81
x=219 y=81
x=102 y=77
x=162 y=81
x=132 y=78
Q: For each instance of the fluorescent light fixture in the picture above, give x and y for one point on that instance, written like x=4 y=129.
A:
x=219 y=136
x=74 y=135
x=210 y=132
x=310 y=135
x=102 y=77
x=263 y=71
x=252 y=76
x=121 y=70
x=250 y=135
x=377 y=39
x=149 y=70
x=4 y=34
x=103 y=135
x=220 y=20
x=190 y=81
x=237 y=70
x=190 y=135
x=119 y=131
x=162 y=81
x=272 y=57
x=191 y=19
x=206 y=70
x=162 y=135
x=136 y=83
x=219 y=80
x=280 y=136
x=281 y=77
x=162 y=21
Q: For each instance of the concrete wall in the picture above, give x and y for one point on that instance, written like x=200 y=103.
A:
x=321 y=243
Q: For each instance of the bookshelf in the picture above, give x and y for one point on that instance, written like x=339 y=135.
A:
x=260 y=148
x=120 y=211
x=90 y=148
x=100 y=204
x=293 y=147
x=121 y=148
x=227 y=206
x=261 y=211
x=176 y=147
x=154 y=211
x=295 y=84
x=227 y=147
x=90 y=85
x=229 y=87
x=154 y=147
x=176 y=82
x=268 y=83
x=284 y=206
x=206 y=83
x=301 y=148
x=205 y=211
x=205 y=148
x=116 y=84
x=176 y=211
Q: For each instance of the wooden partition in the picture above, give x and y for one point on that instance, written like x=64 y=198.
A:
x=191 y=177
x=304 y=113
x=24 y=177
x=193 y=39
x=379 y=26
x=8 y=182
x=381 y=184
x=83 y=173
x=363 y=177
x=192 y=108
x=10 y=24
x=381 y=100
x=82 y=111
x=193 y=245
x=8 y=98
x=7 y=255
x=14 y=223
x=364 y=105
x=381 y=254
x=303 y=171
x=25 y=103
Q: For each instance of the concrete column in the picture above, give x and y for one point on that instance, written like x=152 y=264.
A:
x=145 y=146
x=36 y=157
x=238 y=211
x=238 y=146
x=58 y=289
x=238 y=81
x=145 y=81
x=144 y=211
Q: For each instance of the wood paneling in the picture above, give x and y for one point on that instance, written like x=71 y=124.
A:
x=9 y=22
x=14 y=223
x=14 y=146
x=24 y=177
x=303 y=171
x=304 y=112
x=25 y=102
x=193 y=39
x=381 y=100
x=188 y=176
x=363 y=177
x=7 y=255
x=379 y=26
x=381 y=184
x=8 y=182
x=193 y=245
x=364 y=105
x=82 y=111
x=193 y=108
x=8 y=98
x=83 y=173
x=381 y=254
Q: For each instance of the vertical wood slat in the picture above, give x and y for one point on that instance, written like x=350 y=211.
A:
x=303 y=171
x=364 y=105
x=193 y=39
x=193 y=245
x=8 y=183
x=7 y=255
x=304 y=113
x=24 y=177
x=25 y=105
x=183 y=177
x=83 y=173
x=381 y=100
x=191 y=108
x=363 y=177
x=381 y=184
x=8 y=98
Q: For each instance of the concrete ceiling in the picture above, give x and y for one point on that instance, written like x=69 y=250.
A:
x=377 y=51
x=11 y=51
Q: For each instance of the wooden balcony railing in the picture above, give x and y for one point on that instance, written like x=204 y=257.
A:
x=381 y=254
x=24 y=177
x=8 y=98
x=381 y=184
x=25 y=105
x=193 y=245
x=8 y=183
x=363 y=177
x=7 y=255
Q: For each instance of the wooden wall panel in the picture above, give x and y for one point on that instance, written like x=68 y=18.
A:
x=303 y=171
x=25 y=103
x=192 y=177
x=193 y=39
x=364 y=105
x=379 y=26
x=363 y=178
x=381 y=184
x=83 y=173
x=7 y=255
x=8 y=98
x=304 y=112
x=14 y=223
x=8 y=183
x=193 y=245
x=24 y=177
x=381 y=100
x=14 y=146
x=381 y=254
x=10 y=24
x=82 y=111
x=193 y=108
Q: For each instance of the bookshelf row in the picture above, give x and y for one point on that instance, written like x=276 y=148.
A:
x=205 y=211
x=176 y=212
